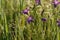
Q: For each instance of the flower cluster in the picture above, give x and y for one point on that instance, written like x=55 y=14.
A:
x=30 y=18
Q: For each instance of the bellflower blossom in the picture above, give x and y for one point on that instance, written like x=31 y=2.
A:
x=30 y=19
x=55 y=3
x=26 y=11
x=43 y=19
x=58 y=22
x=37 y=2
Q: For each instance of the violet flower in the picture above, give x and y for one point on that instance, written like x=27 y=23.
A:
x=55 y=3
x=25 y=11
x=37 y=2
x=43 y=19
x=30 y=19
x=58 y=22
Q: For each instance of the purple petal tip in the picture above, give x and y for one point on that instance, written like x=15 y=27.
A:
x=43 y=19
x=30 y=19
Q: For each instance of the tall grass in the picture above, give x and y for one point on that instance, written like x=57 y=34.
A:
x=14 y=26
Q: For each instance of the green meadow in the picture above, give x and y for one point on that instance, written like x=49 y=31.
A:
x=14 y=26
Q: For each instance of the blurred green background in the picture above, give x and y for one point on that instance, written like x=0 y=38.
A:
x=13 y=24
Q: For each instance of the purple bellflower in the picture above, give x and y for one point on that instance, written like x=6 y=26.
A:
x=26 y=11
x=55 y=3
x=37 y=2
x=30 y=19
x=43 y=19
x=58 y=22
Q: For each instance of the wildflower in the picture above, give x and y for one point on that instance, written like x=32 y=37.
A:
x=26 y=11
x=58 y=22
x=30 y=19
x=43 y=19
x=56 y=3
x=37 y=2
